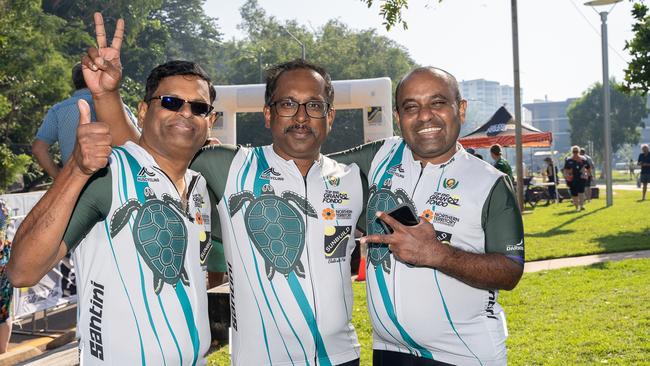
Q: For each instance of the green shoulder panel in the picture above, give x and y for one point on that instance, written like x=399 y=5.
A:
x=502 y=222
x=361 y=155
x=213 y=162
x=93 y=206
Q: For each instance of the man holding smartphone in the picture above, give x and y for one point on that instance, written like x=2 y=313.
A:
x=433 y=287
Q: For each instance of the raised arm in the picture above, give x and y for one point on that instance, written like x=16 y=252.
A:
x=38 y=244
x=102 y=71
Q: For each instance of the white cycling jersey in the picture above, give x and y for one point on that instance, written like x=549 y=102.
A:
x=423 y=311
x=288 y=241
x=141 y=286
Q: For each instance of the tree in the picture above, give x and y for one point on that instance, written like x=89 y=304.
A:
x=586 y=119
x=637 y=74
x=391 y=12
x=344 y=52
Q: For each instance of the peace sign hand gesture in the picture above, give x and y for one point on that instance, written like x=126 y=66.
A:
x=101 y=66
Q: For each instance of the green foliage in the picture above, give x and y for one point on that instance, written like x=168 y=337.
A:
x=626 y=112
x=11 y=167
x=346 y=54
x=34 y=73
x=559 y=231
x=391 y=12
x=637 y=74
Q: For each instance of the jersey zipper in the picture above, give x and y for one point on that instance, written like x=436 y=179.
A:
x=184 y=200
x=311 y=272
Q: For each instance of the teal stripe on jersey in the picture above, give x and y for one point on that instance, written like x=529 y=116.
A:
x=135 y=169
x=290 y=326
x=262 y=165
x=299 y=294
x=169 y=327
x=189 y=319
x=121 y=192
x=442 y=297
x=146 y=305
x=134 y=166
x=128 y=297
x=241 y=178
x=397 y=156
x=451 y=322
x=381 y=282
x=391 y=314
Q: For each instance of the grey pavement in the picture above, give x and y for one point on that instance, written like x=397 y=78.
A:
x=583 y=260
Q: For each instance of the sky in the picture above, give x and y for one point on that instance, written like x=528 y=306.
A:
x=560 y=53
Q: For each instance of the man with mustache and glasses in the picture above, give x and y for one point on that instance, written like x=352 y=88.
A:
x=287 y=216
x=432 y=288
x=144 y=214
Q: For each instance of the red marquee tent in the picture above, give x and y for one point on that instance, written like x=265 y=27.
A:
x=500 y=129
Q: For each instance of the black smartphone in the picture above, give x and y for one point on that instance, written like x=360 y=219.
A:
x=403 y=214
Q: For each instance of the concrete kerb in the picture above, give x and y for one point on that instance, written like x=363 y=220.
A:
x=586 y=260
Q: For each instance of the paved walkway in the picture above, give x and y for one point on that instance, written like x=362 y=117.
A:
x=31 y=353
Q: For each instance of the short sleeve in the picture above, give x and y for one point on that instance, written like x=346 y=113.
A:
x=93 y=206
x=48 y=131
x=502 y=222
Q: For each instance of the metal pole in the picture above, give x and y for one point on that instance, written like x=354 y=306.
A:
x=518 y=142
x=302 y=45
x=607 y=132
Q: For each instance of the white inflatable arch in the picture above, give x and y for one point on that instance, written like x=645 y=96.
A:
x=371 y=95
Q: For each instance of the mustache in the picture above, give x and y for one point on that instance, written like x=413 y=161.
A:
x=298 y=127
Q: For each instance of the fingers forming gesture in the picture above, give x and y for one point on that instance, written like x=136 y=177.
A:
x=101 y=65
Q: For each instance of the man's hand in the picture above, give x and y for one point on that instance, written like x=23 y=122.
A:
x=416 y=245
x=93 y=142
x=101 y=66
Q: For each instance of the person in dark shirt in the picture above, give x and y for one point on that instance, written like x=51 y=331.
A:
x=499 y=162
x=576 y=170
x=644 y=162
x=551 y=176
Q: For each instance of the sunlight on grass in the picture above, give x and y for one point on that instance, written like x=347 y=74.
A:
x=558 y=231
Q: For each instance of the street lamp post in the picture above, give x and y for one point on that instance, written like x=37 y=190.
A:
x=518 y=129
x=606 y=117
x=302 y=45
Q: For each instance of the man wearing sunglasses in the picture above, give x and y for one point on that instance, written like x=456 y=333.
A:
x=145 y=217
x=287 y=217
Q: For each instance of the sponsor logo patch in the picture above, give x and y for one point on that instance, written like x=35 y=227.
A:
x=443 y=200
x=335 y=197
x=328 y=214
x=271 y=174
x=443 y=237
x=96 y=311
x=336 y=238
x=450 y=183
x=333 y=181
x=396 y=170
x=519 y=247
x=198 y=200
x=144 y=175
x=442 y=218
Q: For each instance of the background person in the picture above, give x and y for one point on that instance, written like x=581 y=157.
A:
x=591 y=173
x=575 y=173
x=500 y=163
x=6 y=289
x=644 y=162
x=551 y=177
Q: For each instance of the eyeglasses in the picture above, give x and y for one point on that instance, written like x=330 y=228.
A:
x=289 y=108
x=174 y=104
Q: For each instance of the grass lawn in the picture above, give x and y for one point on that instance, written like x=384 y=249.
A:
x=558 y=231
x=575 y=316
x=581 y=316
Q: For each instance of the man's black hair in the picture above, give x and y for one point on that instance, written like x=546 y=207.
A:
x=78 y=77
x=452 y=81
x=274 y=73
x=173 y=68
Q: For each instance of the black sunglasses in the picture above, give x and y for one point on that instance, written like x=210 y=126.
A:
x=174 y=104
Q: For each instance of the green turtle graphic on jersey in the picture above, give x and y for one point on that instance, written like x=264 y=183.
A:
x=382 y=199
x=276 y=228
x=159 y=234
